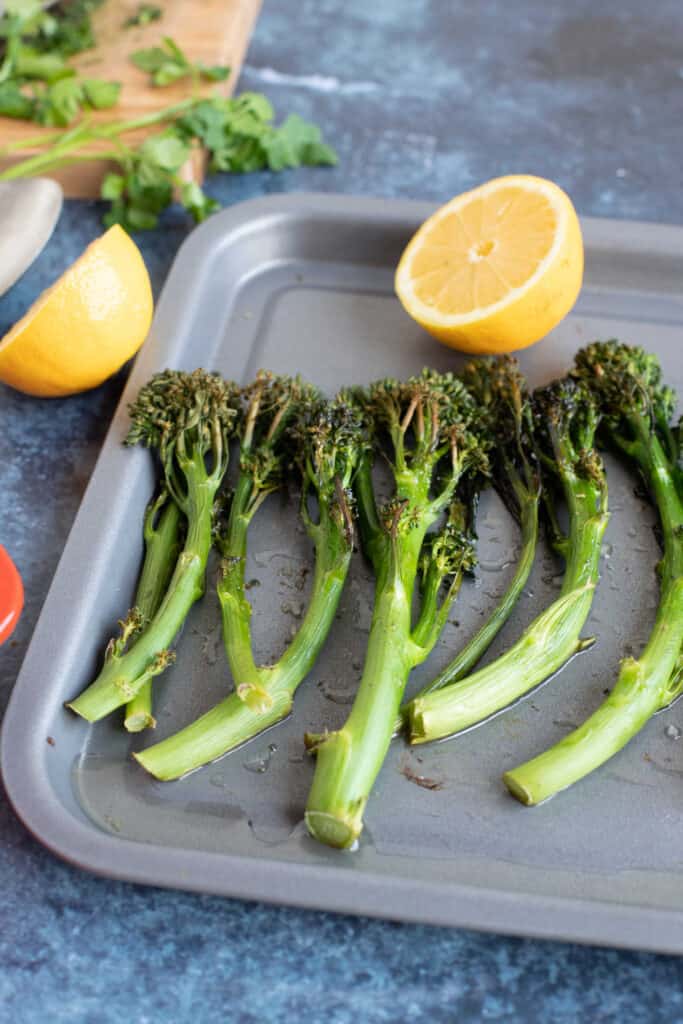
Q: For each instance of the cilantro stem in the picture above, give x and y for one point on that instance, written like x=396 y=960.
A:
x=63 y=145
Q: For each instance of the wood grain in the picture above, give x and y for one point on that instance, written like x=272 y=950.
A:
x=211 y=31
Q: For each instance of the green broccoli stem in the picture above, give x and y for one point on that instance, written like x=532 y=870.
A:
x=643 y=685
x=546 y=644
x=371 y=533
x=427 y=428
x=235 y=607
x=349 y=760
x=123 y=675
x=476 y=647
x=263 y=695
x=161 y=555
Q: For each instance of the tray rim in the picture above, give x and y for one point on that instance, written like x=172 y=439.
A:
x=325 y=886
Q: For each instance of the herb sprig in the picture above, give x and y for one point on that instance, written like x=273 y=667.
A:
x=167 y=64
x=144 y=15
x=36 y=81
x=238 y=133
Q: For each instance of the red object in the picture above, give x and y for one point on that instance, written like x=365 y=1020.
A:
x=11 y=595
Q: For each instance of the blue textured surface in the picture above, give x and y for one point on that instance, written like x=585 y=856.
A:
x=422 y=99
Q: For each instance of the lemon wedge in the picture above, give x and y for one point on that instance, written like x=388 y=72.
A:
x=84 y=327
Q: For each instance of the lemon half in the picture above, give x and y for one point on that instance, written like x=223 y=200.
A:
x=85 y=326
x=495 y=269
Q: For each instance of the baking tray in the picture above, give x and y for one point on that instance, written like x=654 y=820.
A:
x=304 y=283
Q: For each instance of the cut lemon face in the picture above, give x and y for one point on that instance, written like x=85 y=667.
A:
x=495 y=269
x=86 y=326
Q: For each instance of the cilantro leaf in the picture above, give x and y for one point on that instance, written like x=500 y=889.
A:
x=214 y=73
x=140 y=219
x=165 y=151
x=149 y=60
x=72 y=31
x=195 y=200
x=255 y=104
x=170 y=72
x=144 y=15
x=64 y=100
x=296 y=142
x=13 y=102
x=101 y=95
x=146 y=183
x=167 y=64
x=205 y=122
x=238 y=133
x=240 y=136
x=241 y=156
x=36 y=48
x=113 y=186
x=46 y=67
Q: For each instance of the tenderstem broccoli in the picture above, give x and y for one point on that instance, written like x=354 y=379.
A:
x=501 y=392
x=426 y=428
x=161 y=537
x=325 y=439
x=565 y=421
x=637 y=412
x=187 y=418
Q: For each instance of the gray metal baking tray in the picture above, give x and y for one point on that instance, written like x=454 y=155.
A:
x=305 y=283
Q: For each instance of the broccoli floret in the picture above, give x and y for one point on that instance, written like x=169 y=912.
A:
x=431 y=434
x=187 y=418
x=500 y=390
x=636 y=418
x=290 y=429
x=560 y=425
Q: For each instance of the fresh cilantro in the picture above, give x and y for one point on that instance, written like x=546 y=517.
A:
x=213 y=72
x=238 y=133
x=146 y=184
x=45 y=67
x=165 y=151
x=144 y=15
x=70 y=30
x=62 y=102
x=149 y=180
x=296 y=142
x=13 y=103
x=196 y=201
x=36 y=82
x=167 y=64
x=240 y=136
x=113 y=186
x=99 y=94
x=62 y=31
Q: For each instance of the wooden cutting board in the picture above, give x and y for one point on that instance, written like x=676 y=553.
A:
x=211 y=31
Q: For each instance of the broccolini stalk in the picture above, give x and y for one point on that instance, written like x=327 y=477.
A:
x=426 y=427
x=637 y=413
x=161 y=535
x=326 y=440
x=500 y=389
x=273 y=405
x=566 y=419
x=187 y=418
